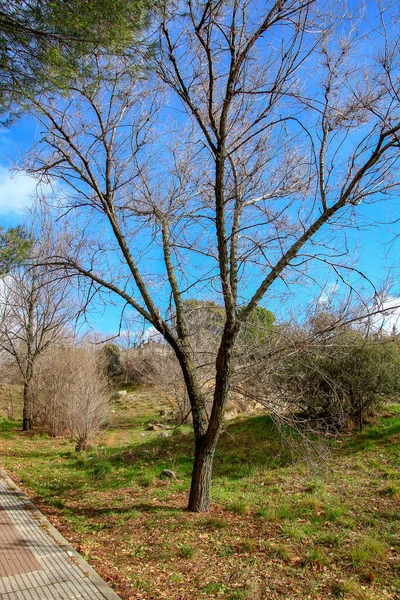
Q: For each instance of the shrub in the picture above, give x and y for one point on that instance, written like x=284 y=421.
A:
x=343 y=378
x=71 y=393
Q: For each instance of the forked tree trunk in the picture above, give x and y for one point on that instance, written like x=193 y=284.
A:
x=199 y=498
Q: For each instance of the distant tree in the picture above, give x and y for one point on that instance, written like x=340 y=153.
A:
x=111 y=354
x=204 y=315
x=15 y=247
x=258 y=326
x=35 y=308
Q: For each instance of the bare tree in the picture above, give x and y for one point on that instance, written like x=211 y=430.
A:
x=72 y=391
x=35 y=310
x=233 y=174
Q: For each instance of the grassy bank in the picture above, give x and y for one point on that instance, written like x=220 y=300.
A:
x=278 y=528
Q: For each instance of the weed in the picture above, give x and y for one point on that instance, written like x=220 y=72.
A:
x=392 y=489
x=367 y=551
x=269 y=514
x=330 y=539
x=293 y=530
x=101 y=469
x=141 y=584
x=240 y=507
x=146 y=481
x=225 y=551
x=316 y=556
x=247 y=545
x=333 y=513
x=238 y=594
x=281 y=551
x=186 y=551
x=214 y=587
x=176 y=578
x=56 y=502
x=139 y=551
x=285 y=511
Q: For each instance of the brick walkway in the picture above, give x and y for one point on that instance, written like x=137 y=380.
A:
x=36 y=562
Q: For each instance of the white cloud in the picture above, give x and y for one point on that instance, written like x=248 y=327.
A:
x=16 y=191
x=151 y=335
x=137 y=336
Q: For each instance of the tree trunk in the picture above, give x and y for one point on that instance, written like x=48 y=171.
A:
x=205 y=444
x=82 y=444
x=199 y=499
x=27 y=410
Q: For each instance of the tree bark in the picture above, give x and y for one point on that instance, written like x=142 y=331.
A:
x=199 y=498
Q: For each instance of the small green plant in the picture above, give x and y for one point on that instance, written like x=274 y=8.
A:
x=281 y=551
x=367 y=551
x=240 y=507
x=269 y=514
x=316 y=556
x=238 y=594
x=146 y=481
x=186 y=551
x=293 y=530
x=333 y=513
x=214 y=587
x=101 y=469
x=392 y=489
x=247 y=545
x=142 y=584
x=329 y=539
x=57 y=502
x=139 y=551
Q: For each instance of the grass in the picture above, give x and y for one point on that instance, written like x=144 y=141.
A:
x=275 y=529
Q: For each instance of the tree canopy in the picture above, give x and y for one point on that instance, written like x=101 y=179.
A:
x=41 y=42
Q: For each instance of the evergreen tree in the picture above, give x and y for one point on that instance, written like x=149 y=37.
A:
x=42 y=42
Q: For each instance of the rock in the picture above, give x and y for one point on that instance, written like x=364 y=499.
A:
x=129 y=456
x=117 y=396
x=163 y=434
x=167 y=473
x=161 y=426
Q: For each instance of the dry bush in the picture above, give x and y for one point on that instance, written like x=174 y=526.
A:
x=154 y=364
x=71 y=392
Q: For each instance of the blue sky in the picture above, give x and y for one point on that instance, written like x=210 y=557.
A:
x=17 y=190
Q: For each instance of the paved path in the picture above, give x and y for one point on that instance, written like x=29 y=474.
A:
x=36 y=562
